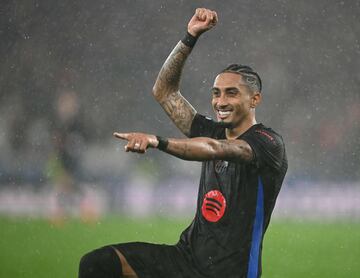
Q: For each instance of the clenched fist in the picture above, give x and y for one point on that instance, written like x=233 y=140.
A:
x=202 y=20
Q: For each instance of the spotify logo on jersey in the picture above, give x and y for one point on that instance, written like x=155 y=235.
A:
x=213 y=207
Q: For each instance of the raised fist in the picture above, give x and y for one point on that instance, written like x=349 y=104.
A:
x=202 y=20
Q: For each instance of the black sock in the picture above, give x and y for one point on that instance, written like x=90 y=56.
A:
x=100 y=263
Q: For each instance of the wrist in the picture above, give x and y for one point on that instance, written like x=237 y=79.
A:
x=162 y=143
x=193 y=33
x=190 y=39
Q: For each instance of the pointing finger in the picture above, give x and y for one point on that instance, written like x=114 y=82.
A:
x=124 y=136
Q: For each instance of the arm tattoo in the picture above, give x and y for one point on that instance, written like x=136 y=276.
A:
x=166 y=89
x=240 y=150
x=170 y=73
x=205 y=149
x=180 y=111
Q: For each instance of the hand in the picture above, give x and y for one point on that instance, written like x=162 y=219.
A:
x=138 y=142
x=202 y=20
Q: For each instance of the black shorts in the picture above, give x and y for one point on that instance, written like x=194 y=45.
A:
x=157 y=260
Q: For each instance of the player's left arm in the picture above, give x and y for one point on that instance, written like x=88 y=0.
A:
x=195 y=149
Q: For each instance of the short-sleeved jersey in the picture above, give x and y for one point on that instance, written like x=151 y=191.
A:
x=234 y=206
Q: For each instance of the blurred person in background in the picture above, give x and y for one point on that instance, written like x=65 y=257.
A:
x=244 y=164
x=63 y=165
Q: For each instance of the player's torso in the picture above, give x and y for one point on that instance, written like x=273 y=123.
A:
x=222 y=227
x=226 y=192
x=234 y=205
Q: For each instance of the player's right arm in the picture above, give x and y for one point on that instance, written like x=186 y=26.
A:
x=194 y=149
x=167 y=85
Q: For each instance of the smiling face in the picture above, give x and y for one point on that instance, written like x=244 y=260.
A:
x=232 y=99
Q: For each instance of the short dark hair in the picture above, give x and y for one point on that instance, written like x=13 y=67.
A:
x=250 y=76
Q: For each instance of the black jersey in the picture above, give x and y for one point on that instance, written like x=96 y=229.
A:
x=235 y=202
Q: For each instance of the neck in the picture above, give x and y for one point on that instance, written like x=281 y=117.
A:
x=235 y=132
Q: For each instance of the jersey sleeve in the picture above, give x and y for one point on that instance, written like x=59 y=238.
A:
x=267 y=146
x=202 y=127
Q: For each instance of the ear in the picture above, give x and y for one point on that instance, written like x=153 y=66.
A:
x=255 y=99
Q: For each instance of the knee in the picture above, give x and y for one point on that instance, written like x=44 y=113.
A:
x=88 y=261
x=96 y=256
x=102 y=262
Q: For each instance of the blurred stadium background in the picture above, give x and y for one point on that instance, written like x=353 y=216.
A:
x=72 y=72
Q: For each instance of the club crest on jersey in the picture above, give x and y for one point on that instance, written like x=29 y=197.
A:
x=214 y=205
x=220 y=166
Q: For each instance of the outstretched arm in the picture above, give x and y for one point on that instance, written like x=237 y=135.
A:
x=195 y=149
x=166 y=89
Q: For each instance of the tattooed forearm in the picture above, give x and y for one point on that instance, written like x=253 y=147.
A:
x=202 y=148
x=169 y=76
x=180 y=111
x=236 y=149
x=166 y=89
x=195 y=149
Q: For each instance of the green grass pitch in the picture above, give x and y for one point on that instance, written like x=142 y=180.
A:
x=34 y=248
